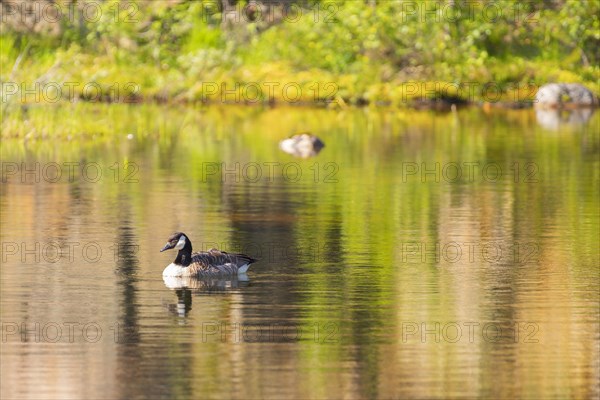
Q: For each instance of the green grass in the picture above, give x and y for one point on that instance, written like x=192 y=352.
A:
x=363 y=54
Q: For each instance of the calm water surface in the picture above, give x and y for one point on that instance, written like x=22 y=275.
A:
x=419 y=255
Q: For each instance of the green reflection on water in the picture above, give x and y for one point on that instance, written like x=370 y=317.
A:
x=347 y=238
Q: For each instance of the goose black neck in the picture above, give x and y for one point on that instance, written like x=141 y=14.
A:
x=184 y=257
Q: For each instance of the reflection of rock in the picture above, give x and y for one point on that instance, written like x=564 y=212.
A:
x=553 y=119
x=568 y=95
x=303 y=145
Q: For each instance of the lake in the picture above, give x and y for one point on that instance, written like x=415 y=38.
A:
x=420 y=254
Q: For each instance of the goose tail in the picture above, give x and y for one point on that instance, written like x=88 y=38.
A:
x=243 y=268
x=246 y=265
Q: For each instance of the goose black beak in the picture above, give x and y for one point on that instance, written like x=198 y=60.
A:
x=167 y=247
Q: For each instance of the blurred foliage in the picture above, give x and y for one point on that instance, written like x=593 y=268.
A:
x=368 y=49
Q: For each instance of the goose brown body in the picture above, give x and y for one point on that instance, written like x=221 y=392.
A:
x=212 y=263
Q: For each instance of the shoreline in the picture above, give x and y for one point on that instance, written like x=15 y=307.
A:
x=84 y=121
x=435 y=104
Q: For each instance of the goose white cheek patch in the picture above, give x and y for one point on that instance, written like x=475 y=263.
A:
x=180 y=243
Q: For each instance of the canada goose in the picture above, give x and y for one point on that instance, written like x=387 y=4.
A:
x=303 y=145
x=210 y=263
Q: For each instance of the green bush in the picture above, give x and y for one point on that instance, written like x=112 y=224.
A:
x=368 y=48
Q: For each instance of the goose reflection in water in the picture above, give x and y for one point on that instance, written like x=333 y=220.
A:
x=184 y=287
x=184 y=303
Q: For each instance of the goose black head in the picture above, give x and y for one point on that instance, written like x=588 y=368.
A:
x=177 y=241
